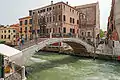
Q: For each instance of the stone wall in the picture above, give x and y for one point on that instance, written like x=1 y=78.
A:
x=116 y=49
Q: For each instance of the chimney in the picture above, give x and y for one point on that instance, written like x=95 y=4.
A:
x=51 y=2
x=30 y=12
x=67 y=2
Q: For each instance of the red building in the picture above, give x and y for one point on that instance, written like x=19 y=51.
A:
x=111 y=29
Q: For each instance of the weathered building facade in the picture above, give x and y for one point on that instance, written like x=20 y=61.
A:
x=25 y=28
x=61 y=19
x=9 y=34
x=89 y=23
x=117 y=17
x=58 y=19
x=113 y=22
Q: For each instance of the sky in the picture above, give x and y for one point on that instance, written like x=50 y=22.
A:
x=12 y=10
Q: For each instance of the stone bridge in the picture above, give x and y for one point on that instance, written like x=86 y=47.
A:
x=78 y=46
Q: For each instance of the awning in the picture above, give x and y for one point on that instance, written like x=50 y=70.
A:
x=13 y=54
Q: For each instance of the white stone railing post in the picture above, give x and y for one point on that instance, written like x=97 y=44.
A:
x=51 y=35
x=23 y=73
x=13 y=66
x=76 y=35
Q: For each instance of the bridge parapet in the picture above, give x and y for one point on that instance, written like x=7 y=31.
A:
x=28 y=52
x=76 y=40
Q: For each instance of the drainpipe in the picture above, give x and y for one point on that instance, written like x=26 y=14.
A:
x=94 y=43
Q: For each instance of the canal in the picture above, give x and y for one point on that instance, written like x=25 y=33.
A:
x=52 y=66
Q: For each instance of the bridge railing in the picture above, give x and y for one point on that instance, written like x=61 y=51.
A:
x=29 y=43
x=17 y=75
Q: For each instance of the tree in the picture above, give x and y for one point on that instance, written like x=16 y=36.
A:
x=101 y=33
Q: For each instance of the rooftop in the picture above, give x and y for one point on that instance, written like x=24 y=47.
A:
x=56 y=4
x=27 y=17
x=87 y=5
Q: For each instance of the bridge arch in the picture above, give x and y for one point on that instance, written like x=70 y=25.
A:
x=78 y=45
x=73 y=42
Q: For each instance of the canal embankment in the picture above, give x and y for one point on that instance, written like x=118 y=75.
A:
x=102 y=52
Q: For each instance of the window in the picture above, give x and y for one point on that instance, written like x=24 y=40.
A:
x=50 y=8
x=53 y=18
x=59 y=17
x=25 y=37
x=70 y=9
x=77 y=21
x=88 y=33
x=14 y=31
x=73 y=30
x=50 y=29
x=44 y=19
x=47 y=19
x=64 y=30
x=4 y=36
x=33 y=12
x=30 y=21
x=8 y=36
x=73 y=20
x=53 y=30
x=70 y=30
x=20 y=23
x=59 y=30
x=1 y=36
x=9 y=31
x=50 y=19
x=30 y=28
x=47 y=30
x=14 y=36
x=64 y=18
x=53 y=7
x=73 y=11
x=47 y=9
x=20 y=29
x=25 y=28
x=59 y=6
x=40 y=11
x=82 y=33
x=43 y=10
x=70 y=20
x=25 y=22
x=4 y=31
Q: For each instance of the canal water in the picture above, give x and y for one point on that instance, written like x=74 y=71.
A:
x=52 y=66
